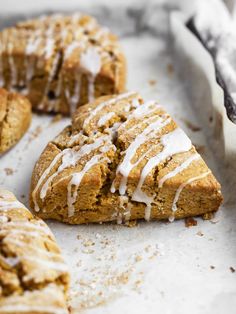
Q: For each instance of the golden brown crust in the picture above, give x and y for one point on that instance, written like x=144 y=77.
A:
x=61 y=62
x=33 y=276
x=15 y=118
x=130 y=178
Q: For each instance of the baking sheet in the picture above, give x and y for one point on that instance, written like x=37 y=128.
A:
x=153 y=267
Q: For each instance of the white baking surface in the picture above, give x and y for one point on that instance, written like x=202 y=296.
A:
x=153 y=267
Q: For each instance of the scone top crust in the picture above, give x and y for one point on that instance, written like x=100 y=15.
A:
x=61 y=61
x=33 y=276
x=122 y=158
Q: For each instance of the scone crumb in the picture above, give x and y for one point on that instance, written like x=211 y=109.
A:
x=88 y=251
x=207 y=216
x=190 y=222
x=170 y=68
x=212 y=267
x=138 y=258
x=200 y=148
x=35 y=133
x=131 y=223
x=9 y=171
x=56 y=118
x=200 y=234
x=88 y=242
x=232 y=269
x=191 y=125
x=152 y=82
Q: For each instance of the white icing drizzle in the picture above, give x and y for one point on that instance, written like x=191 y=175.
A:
x=104 y=104
x=126 y=206
x=11 y=261
x=20 y=308
x=182 y=186
x=69 y=158
x=141 y=112
x=42 y=178
x=70 y=48
x=178 y=169
x=76 y=180
x=3 y=219
x=74 y=139
x=37 y=225
x=31 y=48
x=1 y=67
x=104 y=119
x=74 y=99
x=126 y=165
x=90 y=62
x=33 y=234
x=6 y=205
x=59 y=266
x=173 y=143
x=50 y=77
x=56 y=265
x=13 y=68
x=148 y=107
x=76 y=17
x=50 y=43
x=21 y=243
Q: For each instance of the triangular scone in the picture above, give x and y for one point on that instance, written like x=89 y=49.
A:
x=33 y=276
x=61 y=61
x=122 y=158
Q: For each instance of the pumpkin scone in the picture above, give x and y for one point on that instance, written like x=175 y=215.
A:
x=121 y=159
x=33 y=276
x=61 y=61
x=15 y=118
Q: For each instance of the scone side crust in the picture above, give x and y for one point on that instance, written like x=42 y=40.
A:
x=153 y=170
x=16 y=119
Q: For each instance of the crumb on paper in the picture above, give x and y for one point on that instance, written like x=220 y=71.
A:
x=191 y=125
x=9 y=171
x=56 y=118
x=200 y=148
x=214 y=220
x=138 y=258
x=88 y=251
x=170 y=68
x=22 y=196
x=35 y=133
x=152 y=82
x=232 y=269
x=131 y=223
x=200 y=234
x=207 y=216
x=112 y=273
x=190 y=222
x=212 y=267
x=98 y=235
x=88 y=242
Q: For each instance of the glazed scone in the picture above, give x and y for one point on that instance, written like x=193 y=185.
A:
x=60 y=62
x=33 y=276
x=15 y=118
x=121 y=159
